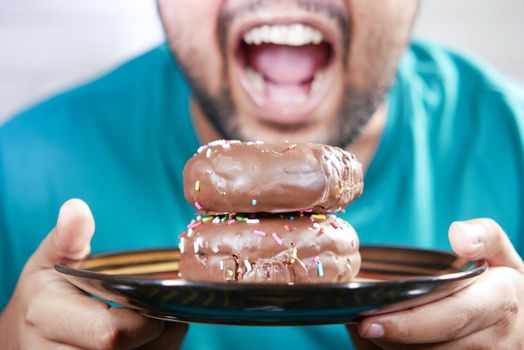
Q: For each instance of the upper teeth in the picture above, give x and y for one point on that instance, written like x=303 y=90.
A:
x=292 y=34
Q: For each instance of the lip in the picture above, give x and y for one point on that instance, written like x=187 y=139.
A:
x=270 y=111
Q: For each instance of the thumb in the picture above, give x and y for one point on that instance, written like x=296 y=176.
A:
x=484 y=239
x=70 y=239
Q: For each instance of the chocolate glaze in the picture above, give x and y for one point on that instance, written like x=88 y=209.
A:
x=219 y=252
x=234 y=177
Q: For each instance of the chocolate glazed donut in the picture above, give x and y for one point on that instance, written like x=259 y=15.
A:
x=236 y=177
x=312 y=248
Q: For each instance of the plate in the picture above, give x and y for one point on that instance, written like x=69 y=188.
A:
x=391 y=279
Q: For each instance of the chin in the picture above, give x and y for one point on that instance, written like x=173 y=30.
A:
x=256 y=129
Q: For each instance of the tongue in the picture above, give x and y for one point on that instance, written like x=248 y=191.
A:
x=282 y=64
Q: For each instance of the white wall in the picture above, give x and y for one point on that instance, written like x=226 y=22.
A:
x=492 y=29
x=49 y=45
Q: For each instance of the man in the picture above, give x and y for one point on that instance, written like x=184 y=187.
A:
x=441 y=139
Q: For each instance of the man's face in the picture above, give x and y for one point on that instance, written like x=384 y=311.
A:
x=302 y=70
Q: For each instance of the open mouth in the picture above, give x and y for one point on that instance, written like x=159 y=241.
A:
x=285 y=68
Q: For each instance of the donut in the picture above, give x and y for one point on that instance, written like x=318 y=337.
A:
x=251 y=177
x=290 y=248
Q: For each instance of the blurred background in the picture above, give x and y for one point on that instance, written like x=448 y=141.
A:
x=47 y=46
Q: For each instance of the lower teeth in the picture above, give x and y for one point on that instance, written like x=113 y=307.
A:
x=317 y=79
x=301 y=99
x=257 y=80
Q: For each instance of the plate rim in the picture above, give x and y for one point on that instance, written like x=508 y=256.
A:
x=64 y=267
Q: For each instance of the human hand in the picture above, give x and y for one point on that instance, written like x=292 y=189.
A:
x=47 y=312
x=488 y=314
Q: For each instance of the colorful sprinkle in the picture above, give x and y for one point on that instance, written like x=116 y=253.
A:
x=320 y=269
x=321 y=232
x=221 y=265
x=333 y=224
x=190 y=232
x=287 y=228
x=293 y=256
x=240 y=218
x=277 y=238
x=318 y=216
x=260 y=233
x=224 y=218
x=181 y=245
x=308 y=211
x=229 y=272
x=231 y=222
x=311 y=219
x=209 y=172
x=252 y=221
x=198 y=205
x=208 y=153
x=196 y=246
x=201 y=148
x=182 y=235
x=207 y=219
x=248 y=265
x=216 y=142
x=291 y=218
x=216 y=220
x=316 y=226
x=316 y=259
x=197 y=185
x=253 y=202
x=194 y=224
x=341 y=190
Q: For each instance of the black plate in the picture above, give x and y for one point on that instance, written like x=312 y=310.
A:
x=390 y=279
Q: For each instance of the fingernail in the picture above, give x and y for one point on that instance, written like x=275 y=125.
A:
x=374 y=331
x=473 y=232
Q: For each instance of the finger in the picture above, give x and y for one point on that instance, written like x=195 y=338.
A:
x=64 y=347
x=456 y=316
x=484 y=239
x=89 y=323
x=492 y=338
x=359 y=342
x=170 y=339
x=32 y=340
x=70 y=239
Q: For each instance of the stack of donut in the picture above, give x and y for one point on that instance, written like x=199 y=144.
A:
x=266 y=213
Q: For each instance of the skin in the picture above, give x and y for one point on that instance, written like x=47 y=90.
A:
x=47 y=312
x=353 y=97
x=486 y=315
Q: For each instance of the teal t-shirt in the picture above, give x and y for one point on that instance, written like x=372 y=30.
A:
x=452 y=149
